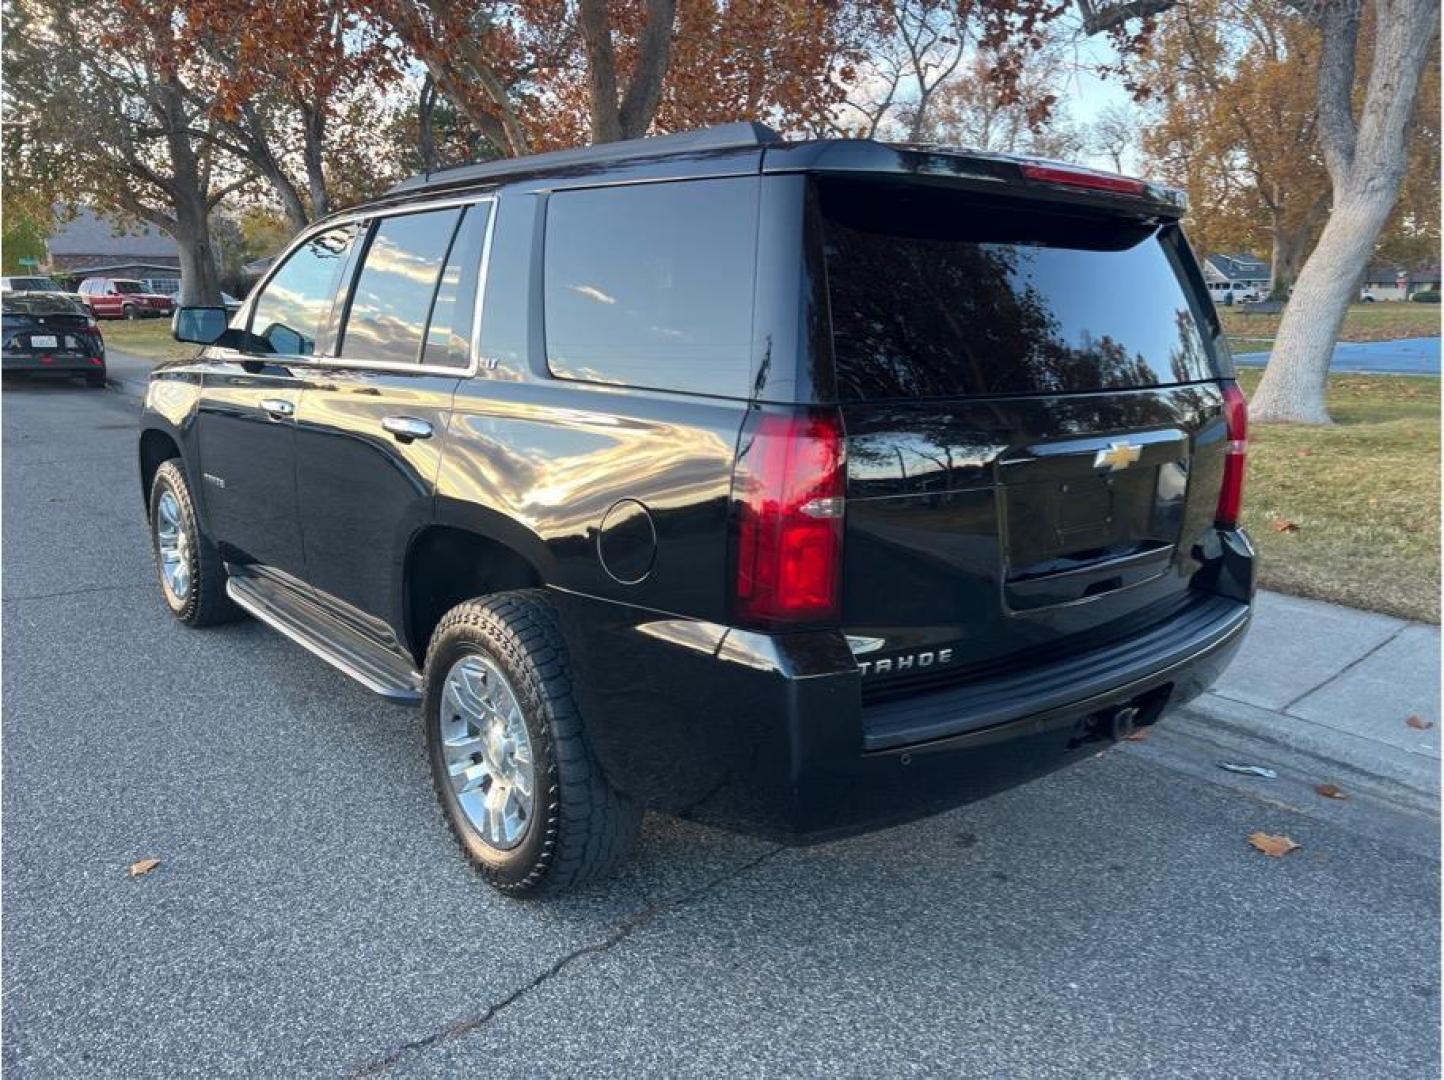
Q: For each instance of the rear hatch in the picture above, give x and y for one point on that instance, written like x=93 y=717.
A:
x=1031 y=396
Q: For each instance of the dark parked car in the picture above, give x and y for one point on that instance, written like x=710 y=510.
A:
x=47 y=334
x=797 y=487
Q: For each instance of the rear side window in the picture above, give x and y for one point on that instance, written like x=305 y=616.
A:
x=296 y=302
x=448 y=335
x=398 y=279
x=651 y=285
x=935 y=296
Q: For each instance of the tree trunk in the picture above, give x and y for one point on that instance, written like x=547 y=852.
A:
x=313 y=130
x=1297 y=373
x=629 y=118
x=1366 y=163
x=200 y=283
x=426 y=125
x=255 y=137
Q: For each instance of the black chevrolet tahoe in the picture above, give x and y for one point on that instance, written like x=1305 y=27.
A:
x=800 y=488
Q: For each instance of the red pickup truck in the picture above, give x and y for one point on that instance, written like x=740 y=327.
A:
x=123 y=298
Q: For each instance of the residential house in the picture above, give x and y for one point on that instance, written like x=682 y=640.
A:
x=1397 y=283
x=92 y=246
x=1236 y=277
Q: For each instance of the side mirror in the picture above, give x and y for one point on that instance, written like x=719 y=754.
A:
x=200 y=325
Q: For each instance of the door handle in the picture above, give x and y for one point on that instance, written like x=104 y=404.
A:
x=407 y=428
x=277 y=408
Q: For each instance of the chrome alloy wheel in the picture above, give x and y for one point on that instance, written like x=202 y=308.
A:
x=174 y=544
x=487 y=750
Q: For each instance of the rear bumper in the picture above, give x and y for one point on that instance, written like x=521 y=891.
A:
x=769 y=734
x=57 y=365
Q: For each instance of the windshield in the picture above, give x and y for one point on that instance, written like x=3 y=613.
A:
x=40 y=305
x=129 y=287
x=936 y=295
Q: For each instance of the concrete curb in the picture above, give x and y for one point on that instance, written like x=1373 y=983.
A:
x=1314 y=755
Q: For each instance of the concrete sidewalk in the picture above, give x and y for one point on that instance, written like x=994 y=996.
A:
x=1337 y=685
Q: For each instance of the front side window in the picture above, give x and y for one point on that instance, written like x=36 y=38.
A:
x=292 y=309
x=393 y=294
x=651 y=285
x=128 y=287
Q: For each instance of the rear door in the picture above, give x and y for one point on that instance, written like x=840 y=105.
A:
x=372 y=420
x=1034 y=439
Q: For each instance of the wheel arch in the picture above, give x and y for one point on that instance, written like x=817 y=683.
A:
x=156 y=447
x=446 y=565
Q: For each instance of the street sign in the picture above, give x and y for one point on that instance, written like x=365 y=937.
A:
x=28 y=260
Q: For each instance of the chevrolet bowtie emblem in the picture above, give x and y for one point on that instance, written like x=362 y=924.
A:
x=1119 y=455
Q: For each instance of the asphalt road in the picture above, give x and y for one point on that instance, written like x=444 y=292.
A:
x=310 y=915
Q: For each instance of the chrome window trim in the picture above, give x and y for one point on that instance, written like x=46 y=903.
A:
x=243 y=315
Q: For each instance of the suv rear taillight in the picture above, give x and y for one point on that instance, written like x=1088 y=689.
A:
x=1230 y=497
x=788 y=489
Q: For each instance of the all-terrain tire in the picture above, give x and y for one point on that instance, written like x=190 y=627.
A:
x=580 y=827
x=205 y=602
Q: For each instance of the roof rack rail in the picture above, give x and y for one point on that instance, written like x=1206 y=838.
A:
x=743 y=133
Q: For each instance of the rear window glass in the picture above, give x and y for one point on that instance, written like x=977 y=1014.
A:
x=448 y=336
x=393 y=294
x=40 y=305
x=935 y=296
x=651 y=285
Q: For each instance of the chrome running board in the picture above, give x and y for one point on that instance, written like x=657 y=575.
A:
x=372 y=665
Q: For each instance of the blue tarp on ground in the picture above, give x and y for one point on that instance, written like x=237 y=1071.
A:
x=1408 y=356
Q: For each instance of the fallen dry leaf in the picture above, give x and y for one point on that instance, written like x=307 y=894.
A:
x=1306 y=453
x=1284 y=525
x=1137 y=734
x=1275 y=847
x=1418 y=723
x=1329 y=791
x=144 y=866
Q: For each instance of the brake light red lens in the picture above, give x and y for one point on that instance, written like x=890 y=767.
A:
x=1230 y=496
x=1085 y=178
x=789 y=487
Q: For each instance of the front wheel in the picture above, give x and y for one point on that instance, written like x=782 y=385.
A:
x=130 y=312
x=513 y=771
x=192 y=575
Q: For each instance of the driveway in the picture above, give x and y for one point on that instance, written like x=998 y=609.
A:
x=1407 y=356
x=310 y=915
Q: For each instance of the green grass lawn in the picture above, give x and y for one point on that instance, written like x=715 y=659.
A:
x=1385 y=320
x=1364 y=495
x=148 y=338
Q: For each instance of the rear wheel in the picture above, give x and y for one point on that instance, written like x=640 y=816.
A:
x=95 y=380
x=192 y=576
x=515 y=776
